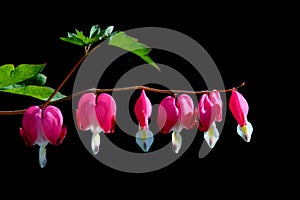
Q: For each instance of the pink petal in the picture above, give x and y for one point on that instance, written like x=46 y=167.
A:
x=31 y=123
x=52 y=123
x=62 y=135
x=238 y=107
x=186 y=111
x=205 y=113
x=86 y=114
x=106 y=112
x=216 y=100
x=168 y=114
x=143 y=110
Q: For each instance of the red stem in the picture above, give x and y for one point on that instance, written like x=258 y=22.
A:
x=19 y=112
x=64 y=81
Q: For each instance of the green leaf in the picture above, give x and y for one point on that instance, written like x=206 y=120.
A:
x=89 y=41
x=9 y=87
x=96 y=34
x=95 y=30
x=108 y=31
x=73 y=40
x=10 y=75
x=39 y=79
x=38 y=92
x=70 y=34
x=131 y=44
x=80 y=35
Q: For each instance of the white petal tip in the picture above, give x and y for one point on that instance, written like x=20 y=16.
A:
x=176 y=141
x=175 y=148
x=144 y=138
x=245 y=132
x=95 y=151
x=212 y=135
x=42 y=156
x=95 y=143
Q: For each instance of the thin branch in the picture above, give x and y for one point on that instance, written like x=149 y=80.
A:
x=87 y=52
x=64 y=81
x=140 y=87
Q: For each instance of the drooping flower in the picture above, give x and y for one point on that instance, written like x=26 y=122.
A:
x=96 y=117
x=86 y=113
x=143 y=110
x=174 y=115
x=42 y=127
x=87 y=119
x=167 y=116
x=209 y=112
x=216 y=100
x=239 y=109
x=106 y=109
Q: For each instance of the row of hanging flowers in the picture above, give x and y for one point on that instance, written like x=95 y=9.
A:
x=43 y=125
x=98 y=114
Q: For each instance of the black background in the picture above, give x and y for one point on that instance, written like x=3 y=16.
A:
x=235 y=38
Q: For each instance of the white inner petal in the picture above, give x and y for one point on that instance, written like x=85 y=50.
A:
x=95 y=143
x=246 y=131
x=144 y=138
x=176 y=141
x=212 y=135
x=42 y=155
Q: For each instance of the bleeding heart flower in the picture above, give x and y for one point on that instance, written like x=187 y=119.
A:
x=174 y=115
x=42 y=127
x=239 y=109
x=205 y=113
x=216 y=100
x=143 y=110
x=96 y=117
x=210 y=111
x=168 y=114
x=86 y=113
